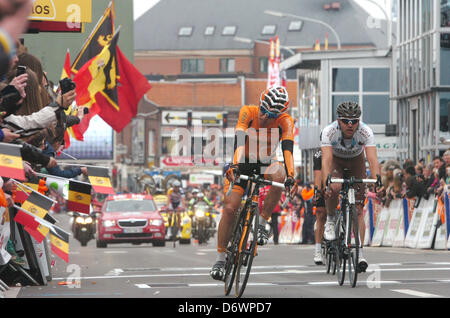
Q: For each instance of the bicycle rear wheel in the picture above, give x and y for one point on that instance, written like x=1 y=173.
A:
x=248 y=250
x=340 y=250
x=354 y=250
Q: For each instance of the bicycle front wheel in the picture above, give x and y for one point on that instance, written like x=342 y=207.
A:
x=340 y=250
x=248 y=250
x=354 y=246
x=233 y=252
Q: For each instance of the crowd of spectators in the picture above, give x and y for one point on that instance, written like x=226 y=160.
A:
x=420 y=180
x=32 y=112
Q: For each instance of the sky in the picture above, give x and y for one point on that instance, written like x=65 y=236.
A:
x=141 y=6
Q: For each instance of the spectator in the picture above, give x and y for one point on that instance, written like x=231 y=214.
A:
x=414 y=188
x=439 y=164
x=309 y=217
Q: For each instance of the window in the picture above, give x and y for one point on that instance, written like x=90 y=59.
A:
x=372 y=94
x=295 y=25
x=444 y=105
x=269 y=30
x=227 y=65
x=192 y=66
x=376 y=79
x=229 y=30
x=263 y=64
x=185 y=31
x=209 y=30
x=345 y=80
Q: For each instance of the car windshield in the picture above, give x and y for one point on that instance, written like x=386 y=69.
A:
x=130 y=206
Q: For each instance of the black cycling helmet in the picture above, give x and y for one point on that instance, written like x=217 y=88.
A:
x=348 y=110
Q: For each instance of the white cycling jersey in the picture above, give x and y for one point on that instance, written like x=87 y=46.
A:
x=347 y=148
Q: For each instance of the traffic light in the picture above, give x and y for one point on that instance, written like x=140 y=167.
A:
x=224 y=120
x=189 y=119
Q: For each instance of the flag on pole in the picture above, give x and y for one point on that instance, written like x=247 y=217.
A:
x=79 y=196
x=326 y=41
x=99 y=38
x=67 y=73
x=132 y=86
x=59 y=185
x=99 y=179
x=59 y=241
x=317 y=45
x=24 y=190
x=11 y=165
x=39 y=205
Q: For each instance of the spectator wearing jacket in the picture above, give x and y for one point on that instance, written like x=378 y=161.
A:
x=52 y=146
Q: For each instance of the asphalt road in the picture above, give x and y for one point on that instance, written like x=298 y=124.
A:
x=279 y=271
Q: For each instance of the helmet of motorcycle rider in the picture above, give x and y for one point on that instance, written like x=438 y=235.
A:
x=176 y=183
x=200 y=195
x=194 y=191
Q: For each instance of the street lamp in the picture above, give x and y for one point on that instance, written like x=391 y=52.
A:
x=283 y=15
x=246 y=40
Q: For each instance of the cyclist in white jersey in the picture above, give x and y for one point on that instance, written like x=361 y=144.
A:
x=343 y=143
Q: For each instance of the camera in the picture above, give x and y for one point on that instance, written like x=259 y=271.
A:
x=66 y=85
x=21 y=70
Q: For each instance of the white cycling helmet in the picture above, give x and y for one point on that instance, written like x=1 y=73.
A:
x=275 y=99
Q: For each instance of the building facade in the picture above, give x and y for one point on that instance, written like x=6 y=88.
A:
x=422 y=62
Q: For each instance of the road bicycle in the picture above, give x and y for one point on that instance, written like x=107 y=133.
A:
x=243 y=244
x=346 y=247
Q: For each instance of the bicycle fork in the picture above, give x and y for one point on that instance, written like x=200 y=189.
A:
x=349 y=218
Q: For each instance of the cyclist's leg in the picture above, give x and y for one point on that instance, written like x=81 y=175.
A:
x=358 y=169
x=331 y=203
x=231 y=205
x=275 y=172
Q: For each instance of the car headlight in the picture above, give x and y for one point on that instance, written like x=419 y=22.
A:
x=109 y=223
x=88 y=220
x=199 y=213
x=79 y=219
x=156 y=222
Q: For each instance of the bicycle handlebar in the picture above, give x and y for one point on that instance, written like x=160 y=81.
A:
x=265 y=182
x=339 y=180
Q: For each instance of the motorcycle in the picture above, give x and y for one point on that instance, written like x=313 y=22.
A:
x=83 y=227
x=203 y=222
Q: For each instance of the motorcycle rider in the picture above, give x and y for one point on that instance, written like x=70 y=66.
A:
x=176 y=200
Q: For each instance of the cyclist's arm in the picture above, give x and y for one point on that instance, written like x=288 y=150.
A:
x=287 y=146
x=374 y=165
x=327 y=157
x=241 y=134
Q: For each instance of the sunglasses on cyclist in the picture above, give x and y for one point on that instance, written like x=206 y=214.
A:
x=348 y=121
x=264 y=111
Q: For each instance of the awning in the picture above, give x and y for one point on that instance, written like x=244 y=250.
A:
x=70 y=11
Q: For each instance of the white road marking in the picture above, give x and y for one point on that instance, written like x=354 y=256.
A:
x=115 y=252
x=415 y=293
x=142 y=286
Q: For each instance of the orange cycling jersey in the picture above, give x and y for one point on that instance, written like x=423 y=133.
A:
x=261 y=142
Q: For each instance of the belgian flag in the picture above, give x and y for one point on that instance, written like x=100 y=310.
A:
x=39 y=205
x=99 y=179
x=11 y=165
x=79 y=196
x=23 y=192
x=59 y=242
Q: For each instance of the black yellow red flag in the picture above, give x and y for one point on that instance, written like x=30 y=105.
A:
x=39 y=205
x=79 y=196
x=99 y=179
x=100 y=36
x=11 y=165
x=59 y=242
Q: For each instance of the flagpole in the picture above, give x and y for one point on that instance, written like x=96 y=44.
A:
x=80 y=165
x=27 y=187
x=60 y=178
x=64 y=153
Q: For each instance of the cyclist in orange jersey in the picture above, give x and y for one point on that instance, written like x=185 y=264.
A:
x=259 y=131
